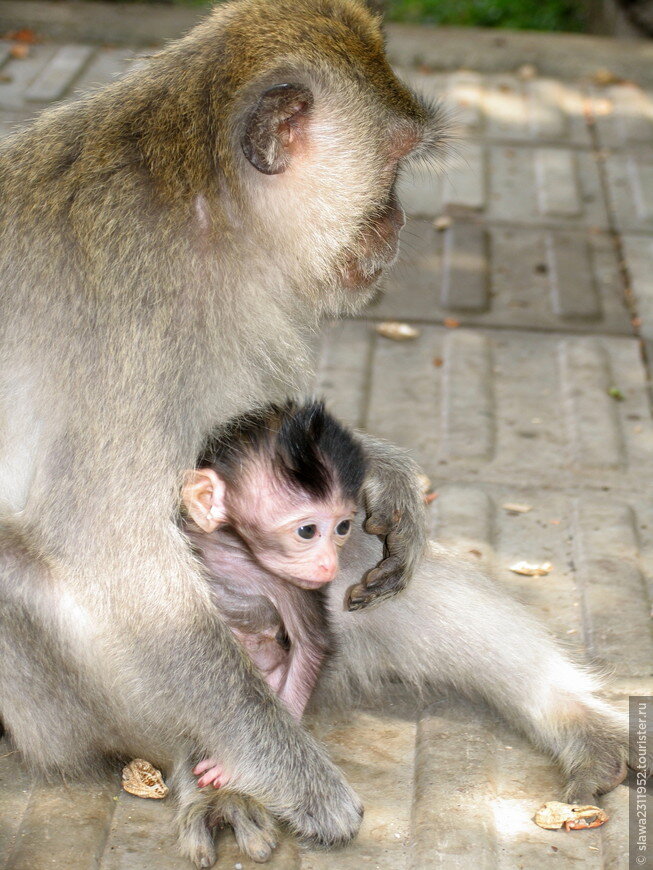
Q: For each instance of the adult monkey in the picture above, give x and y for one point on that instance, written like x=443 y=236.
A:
x=164 y=245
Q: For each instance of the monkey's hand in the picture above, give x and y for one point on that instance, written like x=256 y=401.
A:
x=209 y=772
x=395 y=512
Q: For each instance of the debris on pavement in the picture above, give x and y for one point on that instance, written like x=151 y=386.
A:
x=514 y=508
x=140 y=778
x=532 y=569
x=397 y=331
x=554 y=815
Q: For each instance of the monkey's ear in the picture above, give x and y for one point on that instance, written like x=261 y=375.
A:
x=275 y=127
x=203 y=495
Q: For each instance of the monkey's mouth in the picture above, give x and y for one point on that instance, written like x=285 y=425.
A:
x=359 y=275
x=378 y=247
x=303 y=583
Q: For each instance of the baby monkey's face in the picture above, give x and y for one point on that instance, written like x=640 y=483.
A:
x=292 y=534
x=300 y=541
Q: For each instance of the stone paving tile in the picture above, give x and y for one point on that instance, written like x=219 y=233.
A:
x=506 y=108
x=57 y=76
x=12 y=119
x=376 y=752
x=510 y=183
x=630 y=186
x=15 y=788
x=106 y=65
x=499 y=405
x=623 y=116
x=63 y=827
x=454 y=780
x=18 y=74
x=487 y=275
x=590 y=538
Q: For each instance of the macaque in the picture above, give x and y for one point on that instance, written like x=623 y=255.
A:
x=167 y=244
x=267 y=510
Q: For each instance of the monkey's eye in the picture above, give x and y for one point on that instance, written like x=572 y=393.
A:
x=343 y=528
x=307 y=532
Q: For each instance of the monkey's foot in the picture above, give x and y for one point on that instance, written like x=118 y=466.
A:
x=195 y=837
x=210 y=773
x=253 y=826
x=601 y=760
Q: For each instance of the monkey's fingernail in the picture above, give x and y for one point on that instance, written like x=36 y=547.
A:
x=356 y=598
x=376 y=527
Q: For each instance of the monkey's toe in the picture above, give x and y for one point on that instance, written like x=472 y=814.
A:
x=199 y=849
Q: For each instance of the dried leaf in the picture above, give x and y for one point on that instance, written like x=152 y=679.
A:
x=532 y=569
x=19 y=51
x=143 y=780
x=554 y=815
x=451 y=322
x=397 y=331
x=604 y=76
x=25 y=34
x=438 y=362
x=526 y=72
x=515 y=508
x=603 y=106
x=442 y=223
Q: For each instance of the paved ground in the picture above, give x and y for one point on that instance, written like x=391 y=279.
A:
x=528 y=383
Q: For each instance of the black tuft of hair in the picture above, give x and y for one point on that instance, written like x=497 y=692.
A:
x=307 y=447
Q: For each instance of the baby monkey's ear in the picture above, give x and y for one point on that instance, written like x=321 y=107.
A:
x=203 y=496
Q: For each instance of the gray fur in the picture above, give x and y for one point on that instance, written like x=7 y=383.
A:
x=452 y=627
x=154 y=283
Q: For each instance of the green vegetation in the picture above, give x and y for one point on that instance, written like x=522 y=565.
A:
x=515 y=14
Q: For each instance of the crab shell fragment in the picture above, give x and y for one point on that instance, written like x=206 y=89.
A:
x=554 y=815
x=143 y=780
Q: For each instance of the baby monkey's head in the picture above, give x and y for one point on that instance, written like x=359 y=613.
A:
x=287 y=478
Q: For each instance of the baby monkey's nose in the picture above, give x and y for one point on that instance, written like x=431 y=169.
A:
x=327 y=569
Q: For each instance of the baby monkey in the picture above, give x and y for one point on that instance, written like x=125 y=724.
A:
x=269 y=505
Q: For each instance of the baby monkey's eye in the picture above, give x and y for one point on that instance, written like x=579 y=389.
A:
x=307 y=532
x=343 y=527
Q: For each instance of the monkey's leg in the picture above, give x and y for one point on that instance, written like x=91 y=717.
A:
x=395 y=511
x=76 y=683
x=51 y=724
x=453 y=626
x=199 y=811
x=195 y=837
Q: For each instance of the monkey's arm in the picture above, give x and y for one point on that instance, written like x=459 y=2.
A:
x=304 y=668
x=305 y=621
x=395 y=512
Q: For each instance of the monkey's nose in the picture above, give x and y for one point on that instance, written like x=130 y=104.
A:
x=327 y=571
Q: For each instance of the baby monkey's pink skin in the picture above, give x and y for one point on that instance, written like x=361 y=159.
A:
x=268 y=551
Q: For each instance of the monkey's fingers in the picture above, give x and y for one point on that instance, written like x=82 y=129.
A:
x=378 y=524
x=210 y=773
x=385 y=580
